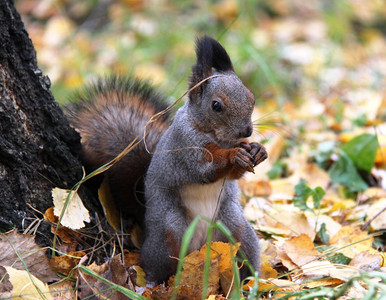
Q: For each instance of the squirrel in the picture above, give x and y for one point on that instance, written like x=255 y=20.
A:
x=186 y=169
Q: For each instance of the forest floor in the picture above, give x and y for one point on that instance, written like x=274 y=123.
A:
x=318 y=71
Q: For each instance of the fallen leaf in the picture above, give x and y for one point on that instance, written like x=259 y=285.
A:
x=332 y=227
x=375 y=214
x=66 y=263
x=114 y=271
x=366 y=261
x=267 y=271
x=69 y=238
x=351 y=240
x=14 y=244
x=75 y=214
x=5 y=286
x=192 y=274
x=63 y=290
x=282 y=188
x=255 y=188
x=296 y=222
x=27 y=285
x=301 y=249
x=313 y=175
x=278 y=285
x=375 y=193
x=317 y=269
x=137 y=276
x=131 y=258
x=323 y=282
x=108 y=204
x=223 y=252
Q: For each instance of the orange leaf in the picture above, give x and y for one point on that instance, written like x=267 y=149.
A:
x=301 y=249
x=66 y=263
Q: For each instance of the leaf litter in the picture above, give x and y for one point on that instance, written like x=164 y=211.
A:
x=318 y=203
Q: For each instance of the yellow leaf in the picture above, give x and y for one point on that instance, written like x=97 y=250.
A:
x=27 y=286
x=108 y=204
x=351 y=240
x=141 y=281
x=267 y=271
x=380 y=158
x=324 y=282
x=222 y=251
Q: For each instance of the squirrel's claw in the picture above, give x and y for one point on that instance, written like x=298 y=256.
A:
x=258 y=153
x=244 y=160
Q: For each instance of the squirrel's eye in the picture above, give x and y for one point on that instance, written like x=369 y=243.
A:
x=216 y=106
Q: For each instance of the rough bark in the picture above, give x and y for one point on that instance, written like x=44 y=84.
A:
x=38 y=148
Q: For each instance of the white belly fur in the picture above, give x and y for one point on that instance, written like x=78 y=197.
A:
x=201 y=200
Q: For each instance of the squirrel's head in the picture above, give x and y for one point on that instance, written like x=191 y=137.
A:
x=221 y=106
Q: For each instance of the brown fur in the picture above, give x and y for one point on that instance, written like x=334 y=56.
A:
x=224 y=159
x=109 y=116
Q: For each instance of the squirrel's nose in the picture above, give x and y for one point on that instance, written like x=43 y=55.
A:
x=247 y=132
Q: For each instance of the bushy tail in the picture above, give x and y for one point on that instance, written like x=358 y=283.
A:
x=108 y=115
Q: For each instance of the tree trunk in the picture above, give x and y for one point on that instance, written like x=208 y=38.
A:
x=38 y=148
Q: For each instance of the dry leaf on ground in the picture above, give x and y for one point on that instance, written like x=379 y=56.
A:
x=301 y=249
x=26 y=285
x=75 y=214
x=14 y=244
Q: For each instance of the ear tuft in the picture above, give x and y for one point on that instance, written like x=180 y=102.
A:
x=210 y=55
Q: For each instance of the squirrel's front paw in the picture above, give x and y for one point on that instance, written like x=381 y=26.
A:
x=257 y=151
x=243 y=159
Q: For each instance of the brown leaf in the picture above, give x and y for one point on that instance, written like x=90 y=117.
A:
x=131 y=258
x=137 y=276
x=65 y=234
x=5 y=286
x=63 y=290
x=114 y=271
x=13 y=244
x=366 y=261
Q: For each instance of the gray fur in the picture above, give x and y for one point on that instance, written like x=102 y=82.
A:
x=177 y=167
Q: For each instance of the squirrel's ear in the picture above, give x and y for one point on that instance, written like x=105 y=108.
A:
x=210 y=54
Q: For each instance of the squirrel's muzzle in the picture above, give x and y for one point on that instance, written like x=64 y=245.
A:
x=247 y=132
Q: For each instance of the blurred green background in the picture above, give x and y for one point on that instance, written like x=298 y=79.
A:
x=284 y=51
